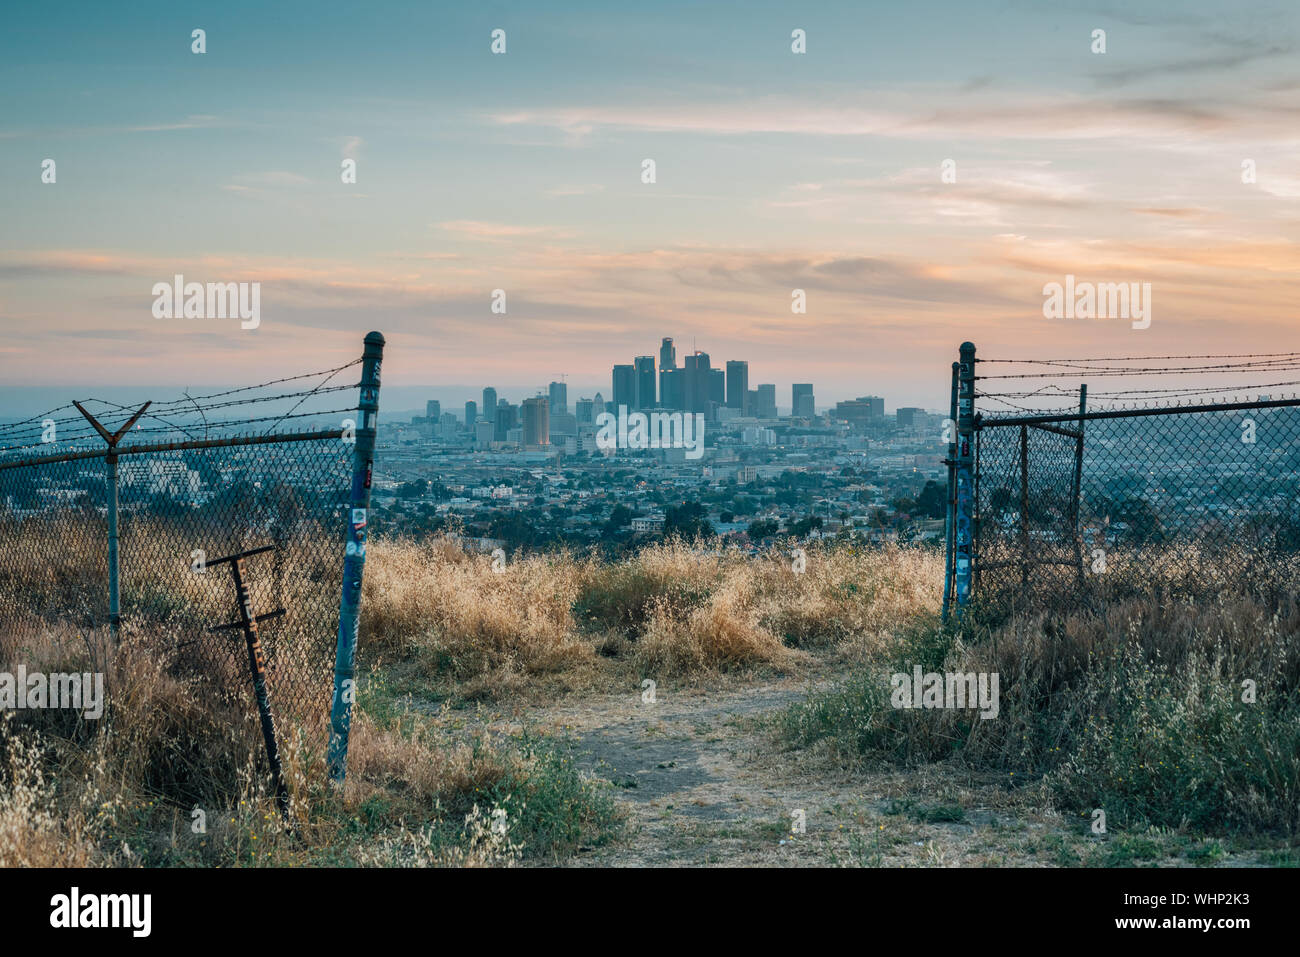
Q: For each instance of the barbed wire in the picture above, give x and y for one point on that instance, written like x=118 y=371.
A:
x=68 y=429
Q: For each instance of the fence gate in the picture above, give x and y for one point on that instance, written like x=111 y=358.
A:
x=109 y=515
x=1082 y=507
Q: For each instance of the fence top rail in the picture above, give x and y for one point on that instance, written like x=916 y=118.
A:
x=174 y=447
x=983 y=421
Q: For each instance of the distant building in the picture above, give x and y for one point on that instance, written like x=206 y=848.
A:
x=672 y=388
x=802 y=404
x=559 y=398
x=910 y=417
x=507 y=418
x=645 y=381
x=471 y=414
x=489 y=403
x=537 y=421
x=697 y=382
x=585 y=411
x=667 y=354
x=433 y=410
x=624 y=386
x=738 y=385
x=766 y=401
x=484 y=433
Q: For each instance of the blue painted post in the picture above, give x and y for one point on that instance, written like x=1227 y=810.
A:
x=354 y=559
x=963 y=567
x=950 y=523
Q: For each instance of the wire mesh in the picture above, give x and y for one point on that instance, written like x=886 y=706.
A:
x=1175 y=504
x=179 y=509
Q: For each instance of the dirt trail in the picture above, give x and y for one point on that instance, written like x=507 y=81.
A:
x=703 y=782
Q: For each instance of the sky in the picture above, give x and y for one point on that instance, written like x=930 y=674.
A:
x=522 y=171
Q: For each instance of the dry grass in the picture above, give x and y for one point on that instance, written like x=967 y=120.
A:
x=671 y=610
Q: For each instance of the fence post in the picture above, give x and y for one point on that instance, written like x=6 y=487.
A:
x=950 y=525
x=114 y=598
x=112 y=438
x=962 y=567
x=354 y=559
x=1076 y=501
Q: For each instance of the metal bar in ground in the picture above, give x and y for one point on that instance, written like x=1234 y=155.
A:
x=257 y=667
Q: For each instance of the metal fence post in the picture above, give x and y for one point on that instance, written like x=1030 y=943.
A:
x=114 y=605
x=950 y=525
x=112 y=438
x=354 y=560
x=1076 y=500
x=963 y=563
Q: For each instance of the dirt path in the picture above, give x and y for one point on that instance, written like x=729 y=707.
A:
x=703 y=783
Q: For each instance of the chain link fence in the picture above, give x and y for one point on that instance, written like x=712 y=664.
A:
x=187 y=487
x=1175 y=503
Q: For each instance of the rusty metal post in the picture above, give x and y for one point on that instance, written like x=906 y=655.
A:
x=257 y=666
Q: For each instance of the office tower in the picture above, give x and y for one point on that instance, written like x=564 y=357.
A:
x=667 y=354
x=801 y=401
x=738 y=385
x=672 y=388
x=624 y=386
x=489 y=404
x=599 y=405
x=717 y=386
x=645 y=381
x=767 y=401
x=585 y=411
x=433 y=410
x=751 y=402
x=537 y=421
x=471 y=414
x=559 y=403
x=448 y=426
x=697 y=382
x=484 y=433
x=507 y=418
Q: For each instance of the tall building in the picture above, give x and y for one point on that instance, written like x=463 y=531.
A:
x=624 y=386
x=672 y=388
x=766 y=401
x=599 y=405
x=537 y=420
x=667 y=354
x=489 y=403
x=802 y=405
x=471 y=414
x=585 y=411
x=559 y=403
x=507 y=418
x=697 y=382
x=738 y=385
x=433 y=410
x=717 y=386
x=645 y=381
